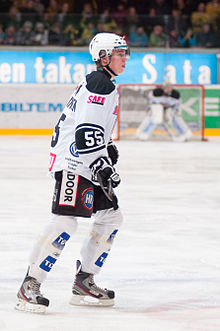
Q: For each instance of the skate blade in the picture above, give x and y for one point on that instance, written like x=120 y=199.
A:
x=25 y=306
x=86 y=300
x=180 y=139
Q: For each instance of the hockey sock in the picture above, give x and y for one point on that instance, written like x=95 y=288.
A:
x=98 y=244
x=50 y=245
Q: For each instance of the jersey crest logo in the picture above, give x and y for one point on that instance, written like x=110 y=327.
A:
x=96 y=99
x=87 y=198
x=73 y=149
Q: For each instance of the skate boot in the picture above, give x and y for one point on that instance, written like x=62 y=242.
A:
x=86 y=292
x=29 y=297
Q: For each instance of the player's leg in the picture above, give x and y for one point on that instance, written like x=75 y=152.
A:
x=68 y=200
x=94 y=252
x=168 y=120
x=98 y=244
x=153 y=118
x=44 y=254
x=181 y=128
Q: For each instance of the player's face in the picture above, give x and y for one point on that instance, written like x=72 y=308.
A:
x=167 y=89
x=118 y=61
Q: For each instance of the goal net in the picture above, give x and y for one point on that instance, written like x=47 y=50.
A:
x=133 y=107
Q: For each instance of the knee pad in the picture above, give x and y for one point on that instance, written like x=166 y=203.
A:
x=106 y=226
x=98 y=244
x=65 y=222
x=57 y=232
x=108 y=218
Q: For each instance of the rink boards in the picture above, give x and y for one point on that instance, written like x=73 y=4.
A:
x=34 y=109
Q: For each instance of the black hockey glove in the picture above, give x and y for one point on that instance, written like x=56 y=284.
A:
x=112 y=152
x=104 y=173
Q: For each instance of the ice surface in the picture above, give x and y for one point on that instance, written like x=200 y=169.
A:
x=165 y=262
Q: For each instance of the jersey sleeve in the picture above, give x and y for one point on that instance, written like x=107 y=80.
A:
x=155 y=96
x=157 y=92
x=175 y=94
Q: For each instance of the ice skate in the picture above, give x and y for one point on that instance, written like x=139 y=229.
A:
x=142 y=136
x=184 y=137
x=86 y=292
x=29 y=297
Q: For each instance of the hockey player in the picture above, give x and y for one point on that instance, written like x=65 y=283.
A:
x=164 y=109
x=82 y=159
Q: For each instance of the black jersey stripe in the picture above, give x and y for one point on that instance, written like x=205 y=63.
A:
x=91 y=150
x=89 y=125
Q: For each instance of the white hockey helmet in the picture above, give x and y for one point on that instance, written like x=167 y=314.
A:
x=105 y=41
x=167 y=82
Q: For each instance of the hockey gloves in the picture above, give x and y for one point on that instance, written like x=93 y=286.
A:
x=104 y=173
x=112 y=152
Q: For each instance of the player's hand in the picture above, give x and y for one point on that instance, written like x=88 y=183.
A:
x=102 y=169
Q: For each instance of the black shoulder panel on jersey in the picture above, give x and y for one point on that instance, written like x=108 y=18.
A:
x=175 y=94
x=98 y=82
x=157 y=92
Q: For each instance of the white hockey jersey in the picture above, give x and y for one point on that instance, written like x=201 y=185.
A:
x=85 y=125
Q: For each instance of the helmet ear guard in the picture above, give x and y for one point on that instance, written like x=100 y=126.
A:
x=102 y=54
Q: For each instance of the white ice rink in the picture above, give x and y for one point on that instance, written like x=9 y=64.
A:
x=165 y=262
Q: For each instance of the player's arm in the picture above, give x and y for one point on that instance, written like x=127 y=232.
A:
x=156 y=96
x=174 y=100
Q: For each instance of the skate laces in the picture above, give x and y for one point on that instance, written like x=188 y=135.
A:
x=34 y=286
x=92 y=283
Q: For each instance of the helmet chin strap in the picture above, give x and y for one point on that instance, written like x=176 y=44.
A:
x=108 y=68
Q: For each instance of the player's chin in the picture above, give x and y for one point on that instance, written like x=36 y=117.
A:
x=121 y=70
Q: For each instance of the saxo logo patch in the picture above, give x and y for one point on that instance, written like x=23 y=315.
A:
x=87 y=198
x=48 y=263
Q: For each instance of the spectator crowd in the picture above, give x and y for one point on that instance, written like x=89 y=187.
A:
x=156 y=23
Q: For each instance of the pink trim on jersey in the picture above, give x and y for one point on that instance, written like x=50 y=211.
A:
x=52 y=160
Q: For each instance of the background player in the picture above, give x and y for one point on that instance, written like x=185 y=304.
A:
x=82 y=157
x=164 y=109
